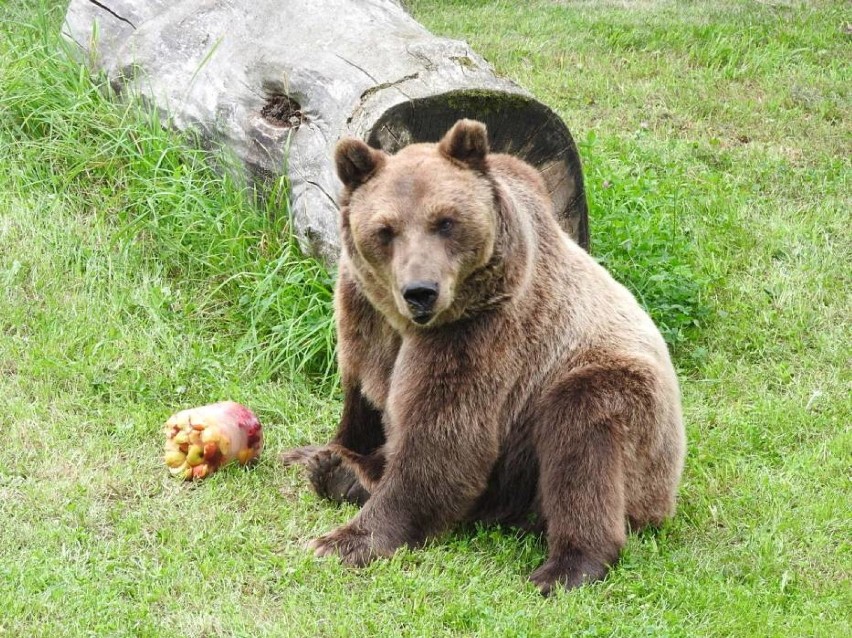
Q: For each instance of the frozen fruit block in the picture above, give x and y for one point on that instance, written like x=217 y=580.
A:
x=201 y=440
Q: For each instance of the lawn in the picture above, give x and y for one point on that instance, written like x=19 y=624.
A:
x=716 y=142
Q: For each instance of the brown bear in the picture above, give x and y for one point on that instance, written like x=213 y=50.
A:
x=492 y=370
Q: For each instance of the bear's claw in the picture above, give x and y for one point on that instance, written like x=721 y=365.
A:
x=570 y=569
x=329 y=477
x=354 y=546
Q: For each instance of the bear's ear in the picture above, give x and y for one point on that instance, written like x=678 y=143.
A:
x=356 y=162
x=466 y=142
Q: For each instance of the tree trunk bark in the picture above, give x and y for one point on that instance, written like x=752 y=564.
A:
x=278 y=82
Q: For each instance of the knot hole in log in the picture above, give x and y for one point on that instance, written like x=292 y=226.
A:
x=283 y=111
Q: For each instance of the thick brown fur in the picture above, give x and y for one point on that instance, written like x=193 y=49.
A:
x=536 y=388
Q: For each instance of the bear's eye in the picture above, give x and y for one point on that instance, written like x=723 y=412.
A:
x=445 y=227
x=385 y=235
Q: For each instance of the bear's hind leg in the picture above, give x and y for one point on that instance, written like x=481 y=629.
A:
x=578 y=437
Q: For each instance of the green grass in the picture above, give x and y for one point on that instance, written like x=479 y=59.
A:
x=134 y=281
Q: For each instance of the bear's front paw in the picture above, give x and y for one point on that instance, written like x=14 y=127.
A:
x=354 y=545
x=569 y=569
x=330 y=478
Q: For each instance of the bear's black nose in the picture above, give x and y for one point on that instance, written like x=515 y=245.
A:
x=420 y=296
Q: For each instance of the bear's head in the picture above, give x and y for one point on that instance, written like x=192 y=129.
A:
x=417 y=225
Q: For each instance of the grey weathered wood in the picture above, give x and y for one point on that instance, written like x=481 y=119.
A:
x=280 y=81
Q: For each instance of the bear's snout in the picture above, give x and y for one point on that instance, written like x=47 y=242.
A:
x=421 y=297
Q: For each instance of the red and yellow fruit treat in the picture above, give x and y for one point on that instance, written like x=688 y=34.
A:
x=201 y=440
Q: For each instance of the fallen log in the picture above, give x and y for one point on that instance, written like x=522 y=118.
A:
x=278 y=82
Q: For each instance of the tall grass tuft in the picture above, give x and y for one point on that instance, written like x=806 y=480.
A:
x=227 y=243
x=639 y=233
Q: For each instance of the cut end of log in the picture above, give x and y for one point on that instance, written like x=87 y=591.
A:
x=517 y=125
